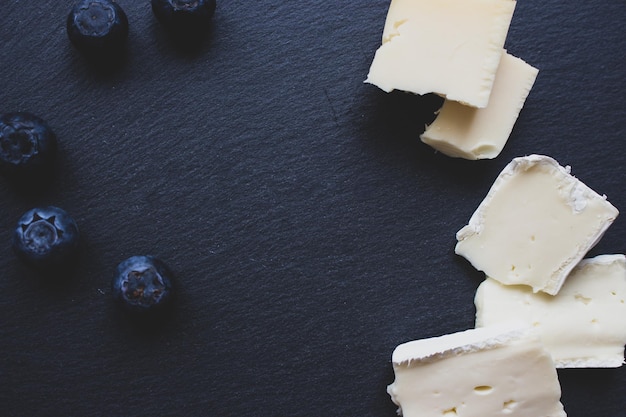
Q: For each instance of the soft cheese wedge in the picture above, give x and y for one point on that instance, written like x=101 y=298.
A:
x=467 y=132
x=449 y=47
x=583 y=326
x=535 y=224
x=493 y=371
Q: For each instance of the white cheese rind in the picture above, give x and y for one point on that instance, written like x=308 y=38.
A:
x=467 y=132
x=448 y=47
x=583 y=326
x=454 y=344
x=535 y=224
x=476 y=373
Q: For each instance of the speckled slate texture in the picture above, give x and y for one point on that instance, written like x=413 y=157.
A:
x=309 y=229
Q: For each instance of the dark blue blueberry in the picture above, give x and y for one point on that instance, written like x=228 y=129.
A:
x=96 y=26
x=184 y=16
x=142 y=284
x=46 y=237
x=27 y=145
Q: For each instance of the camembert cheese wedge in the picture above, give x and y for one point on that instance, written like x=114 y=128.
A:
x=535 y=224
x=448 y=47
x=583 y=326
x=492 y=371
x=467 y=132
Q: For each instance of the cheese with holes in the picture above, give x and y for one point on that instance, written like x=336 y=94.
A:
x=448 y=47
x=467 y=132
x=491 y=371
x=535 y=224
x=584 y=325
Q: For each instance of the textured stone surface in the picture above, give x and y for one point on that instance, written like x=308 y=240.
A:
x=309 y=228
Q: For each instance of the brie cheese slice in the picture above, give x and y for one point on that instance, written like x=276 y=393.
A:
x=500 y=370
x=535 y=224
x=448 y=47
x=583 y=326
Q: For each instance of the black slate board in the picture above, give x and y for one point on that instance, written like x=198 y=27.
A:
x=309 y=228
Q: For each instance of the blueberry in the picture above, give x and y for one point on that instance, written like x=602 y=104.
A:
x=143 y=284
x=46 y=237
x=184 y=16
x=27 y=145
x=97 y=26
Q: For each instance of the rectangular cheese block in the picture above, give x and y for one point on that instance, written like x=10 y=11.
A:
x=467 y=132
x=448 y=47
x=500 y=370
x=584 y=325
x=535 y=224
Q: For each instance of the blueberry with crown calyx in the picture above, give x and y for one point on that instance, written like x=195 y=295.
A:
x=143 y=284
x=46 y=237
x=27 y=145
x=95 y=26
x=184 y=16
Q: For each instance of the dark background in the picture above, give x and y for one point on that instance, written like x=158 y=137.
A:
x=309 y=229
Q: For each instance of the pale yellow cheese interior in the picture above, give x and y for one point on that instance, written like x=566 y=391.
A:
x=584 y=325
x=449 y=47
x=467 y=132
x=536 y=223
x=516 y=379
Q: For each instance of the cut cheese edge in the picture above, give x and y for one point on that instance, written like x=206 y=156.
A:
x=467 y=132
x=583 y=326
x=448 y=47
x=500 y=370
x=535 y=224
